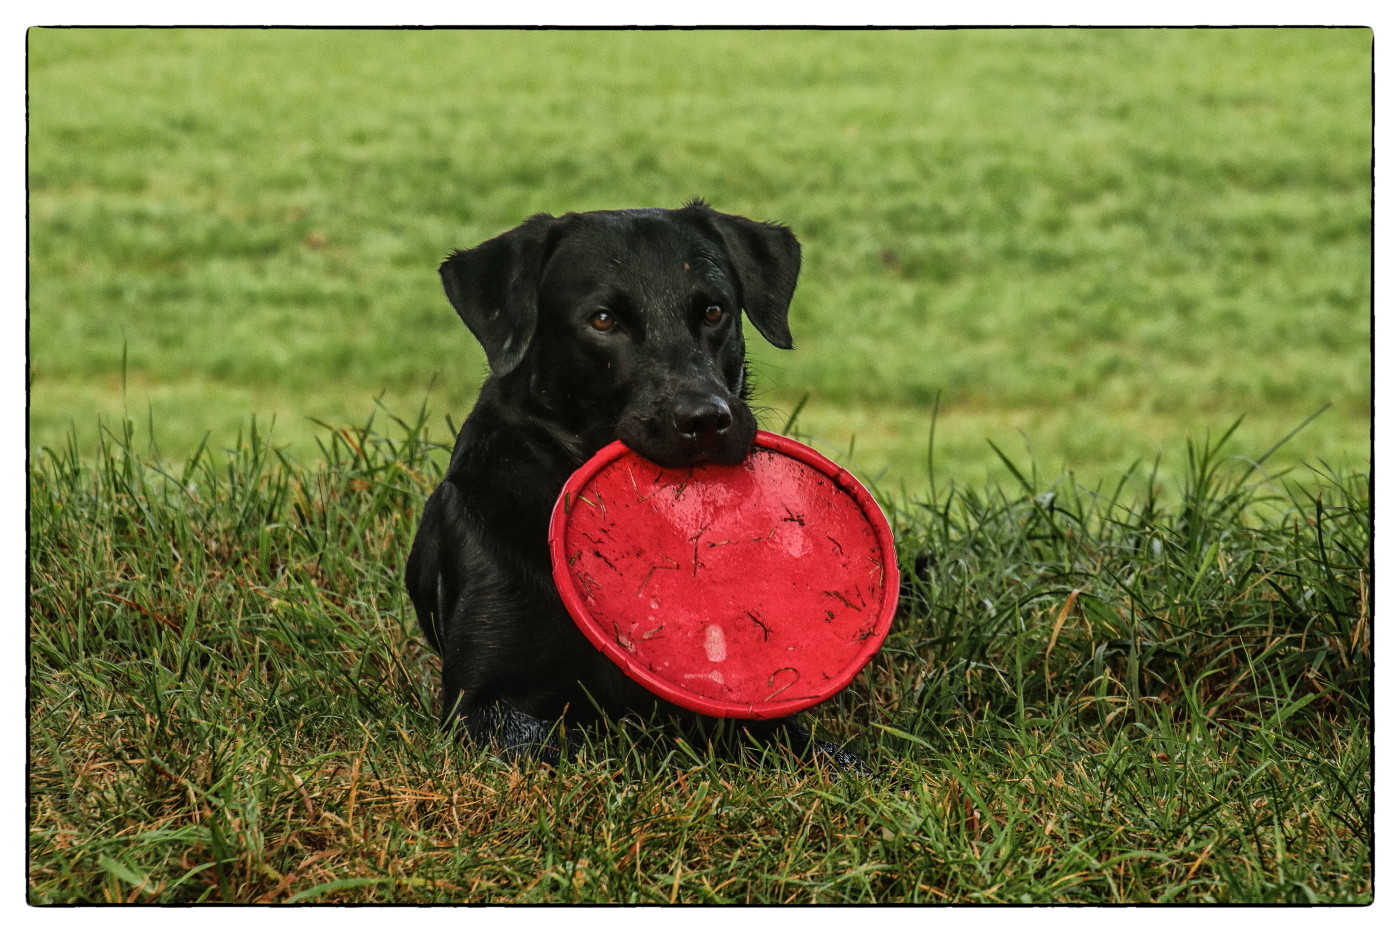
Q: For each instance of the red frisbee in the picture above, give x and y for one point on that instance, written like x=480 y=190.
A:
x=751 y=591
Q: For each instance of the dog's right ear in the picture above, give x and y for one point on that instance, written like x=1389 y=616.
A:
x=494 y=288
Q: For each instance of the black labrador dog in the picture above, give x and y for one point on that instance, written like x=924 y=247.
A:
x=596 y=326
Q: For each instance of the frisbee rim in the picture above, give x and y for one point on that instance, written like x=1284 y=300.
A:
x=669 y=690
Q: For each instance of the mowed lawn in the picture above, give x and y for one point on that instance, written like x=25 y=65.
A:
x=1083 y=250
x=1082 y=246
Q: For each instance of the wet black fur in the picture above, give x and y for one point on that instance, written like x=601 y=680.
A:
x=668 y=378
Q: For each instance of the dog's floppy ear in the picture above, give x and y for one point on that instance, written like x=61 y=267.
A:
x=495 y=289
x=766 y=258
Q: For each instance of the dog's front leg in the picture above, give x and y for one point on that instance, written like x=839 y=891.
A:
x=792 y=733
x=515 y=733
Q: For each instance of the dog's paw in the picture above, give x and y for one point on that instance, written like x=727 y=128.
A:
x=843 y=762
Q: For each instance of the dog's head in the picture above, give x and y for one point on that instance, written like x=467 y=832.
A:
x=626 y=324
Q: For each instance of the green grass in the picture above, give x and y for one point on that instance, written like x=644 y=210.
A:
x=1133 y=662
x=1085 y=244
x=1086 y=698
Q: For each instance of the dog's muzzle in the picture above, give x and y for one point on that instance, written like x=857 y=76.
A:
x=690 y=429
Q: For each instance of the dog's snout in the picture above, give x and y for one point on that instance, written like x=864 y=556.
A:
x=689 y=428
x=702 y=418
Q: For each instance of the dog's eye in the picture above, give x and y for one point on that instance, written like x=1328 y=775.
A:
x=602 y=321
x=714 y=314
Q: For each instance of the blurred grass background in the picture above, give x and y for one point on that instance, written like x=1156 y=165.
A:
x=1086 y=247
x=1084 y=244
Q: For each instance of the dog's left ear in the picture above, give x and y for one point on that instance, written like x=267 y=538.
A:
x=495 y=289
x=766 y=258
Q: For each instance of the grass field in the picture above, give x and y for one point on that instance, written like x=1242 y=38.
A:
x=1133 y=657
x=1083 y=701
x=1086 y=245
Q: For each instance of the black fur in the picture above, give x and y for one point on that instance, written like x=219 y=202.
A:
x=667 y=377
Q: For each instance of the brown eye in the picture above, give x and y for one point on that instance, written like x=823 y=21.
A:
x=602 y=321
x=713 y=315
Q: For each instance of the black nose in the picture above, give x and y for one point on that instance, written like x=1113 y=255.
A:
x=702 y=418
